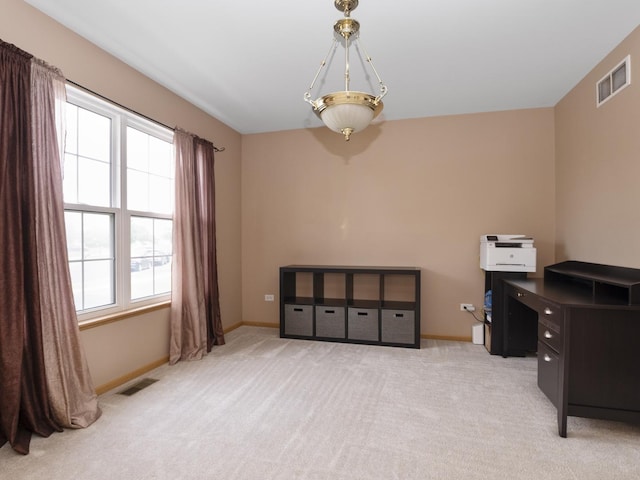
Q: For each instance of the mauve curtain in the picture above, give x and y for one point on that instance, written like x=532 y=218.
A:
x=30 y=294
x=24 y=406
x=72 y=396
x=195 y=308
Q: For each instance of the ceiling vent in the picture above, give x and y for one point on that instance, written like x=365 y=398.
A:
x=614 y=81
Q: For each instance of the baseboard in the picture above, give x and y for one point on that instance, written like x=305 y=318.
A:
x=130 y=376
x=446 y=337
x=251 y=324
x=232 y=327
x=261 y=324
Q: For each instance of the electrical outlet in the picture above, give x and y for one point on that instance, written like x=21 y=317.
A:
x=269 y=298
x=467 y=307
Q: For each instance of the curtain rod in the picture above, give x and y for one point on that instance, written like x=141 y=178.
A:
x=217 y=149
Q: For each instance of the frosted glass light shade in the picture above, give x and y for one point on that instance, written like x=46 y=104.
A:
x=348 y=112
x=347 y=115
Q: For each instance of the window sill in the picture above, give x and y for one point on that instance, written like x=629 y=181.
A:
x=116 y=317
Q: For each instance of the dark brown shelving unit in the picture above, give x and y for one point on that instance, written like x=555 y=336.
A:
x=369 y=305
x=494 y=319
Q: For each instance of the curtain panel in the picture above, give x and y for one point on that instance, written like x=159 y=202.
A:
x=196 y=324
x=44 y=380
x=72 y=396
x=24 y=405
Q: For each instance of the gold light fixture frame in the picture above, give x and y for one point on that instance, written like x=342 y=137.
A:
x=349 y=29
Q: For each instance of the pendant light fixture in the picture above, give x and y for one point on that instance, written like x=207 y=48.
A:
x=347 y=111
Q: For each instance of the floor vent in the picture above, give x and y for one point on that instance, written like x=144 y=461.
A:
x=614 y=81
x=136 y=387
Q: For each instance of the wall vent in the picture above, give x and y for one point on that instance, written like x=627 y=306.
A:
x=614 y=81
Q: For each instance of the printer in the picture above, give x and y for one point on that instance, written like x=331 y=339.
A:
x=507 y=253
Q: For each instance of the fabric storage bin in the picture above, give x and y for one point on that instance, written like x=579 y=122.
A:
x=298 y=320
x=398 y=326
x=363 y=324
x=330 y=322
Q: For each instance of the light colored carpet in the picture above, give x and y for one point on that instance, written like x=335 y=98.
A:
x=267 y=408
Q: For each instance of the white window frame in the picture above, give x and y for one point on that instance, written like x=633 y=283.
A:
x=121 y=119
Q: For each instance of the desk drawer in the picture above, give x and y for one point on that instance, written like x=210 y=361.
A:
x=551 y=312
x=548 y=372
x=549 y=334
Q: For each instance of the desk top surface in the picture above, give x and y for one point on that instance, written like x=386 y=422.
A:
x=568 y=294
x=610 y=274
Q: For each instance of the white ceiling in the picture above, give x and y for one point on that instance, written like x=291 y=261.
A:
x=248 y=63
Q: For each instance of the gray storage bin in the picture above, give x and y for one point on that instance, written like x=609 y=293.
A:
x=363 y=324
x=298 y=320
x=330 y=322
x=398 y=326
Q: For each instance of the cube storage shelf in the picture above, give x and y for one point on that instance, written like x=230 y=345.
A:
x=368 y=305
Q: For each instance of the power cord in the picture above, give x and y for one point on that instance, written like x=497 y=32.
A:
x=473 y=314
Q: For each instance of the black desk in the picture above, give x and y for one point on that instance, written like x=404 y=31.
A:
x=588 y=337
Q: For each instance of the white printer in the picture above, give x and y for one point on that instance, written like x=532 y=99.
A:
x=507 y=253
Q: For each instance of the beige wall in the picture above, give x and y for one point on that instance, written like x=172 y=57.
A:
x=404 y=193
x=115 y=350
x=598 y=167
x=119 y=350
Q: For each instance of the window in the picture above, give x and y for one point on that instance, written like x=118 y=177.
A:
x=118 y=193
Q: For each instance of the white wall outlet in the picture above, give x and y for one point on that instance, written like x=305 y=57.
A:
x=467 y=307
x=269 y=298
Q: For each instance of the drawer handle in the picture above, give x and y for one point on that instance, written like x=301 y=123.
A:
x=520 y=294
x=547 y=358
x=547 y=334
x=298 y=310
x=364 y=314
x=399 y=315
x=329 y=311
x=547 y=311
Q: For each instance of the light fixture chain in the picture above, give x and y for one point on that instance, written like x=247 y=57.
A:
x=307 y=95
